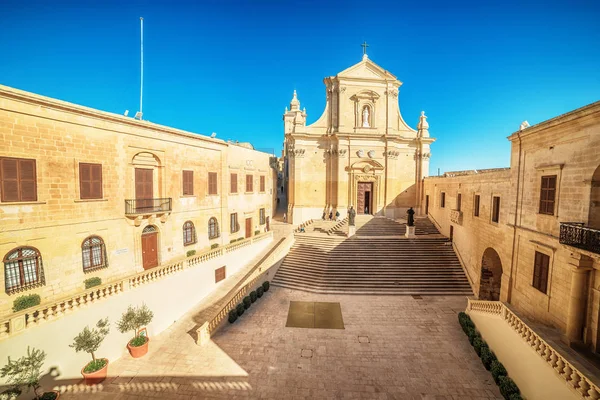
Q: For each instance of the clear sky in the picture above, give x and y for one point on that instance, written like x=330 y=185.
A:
x=477 y=68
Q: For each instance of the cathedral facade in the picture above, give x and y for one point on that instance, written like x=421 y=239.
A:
x=359 y=153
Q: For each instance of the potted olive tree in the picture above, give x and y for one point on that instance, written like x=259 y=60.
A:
x=89 y=340
x=132 y=320
x=26 y=371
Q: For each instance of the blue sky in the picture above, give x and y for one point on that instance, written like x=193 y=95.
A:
x=477 y=68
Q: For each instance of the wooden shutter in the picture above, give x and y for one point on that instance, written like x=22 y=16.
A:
x=90 y=181
x=96 y=180
x=27 y=180
x=262 y=183
x=233 y=183
x=476 y=213
x=249 y=179
x=547 y=194
x=10 y=179
x=188 y=183
x=540 y=271
x=212 y=183
x=496 y=209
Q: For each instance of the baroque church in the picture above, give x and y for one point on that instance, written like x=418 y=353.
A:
x=359 y=153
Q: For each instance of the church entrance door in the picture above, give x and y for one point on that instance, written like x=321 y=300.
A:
x=364 y=202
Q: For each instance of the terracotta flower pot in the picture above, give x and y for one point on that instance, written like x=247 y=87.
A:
x=94 y=378
x=138 y=351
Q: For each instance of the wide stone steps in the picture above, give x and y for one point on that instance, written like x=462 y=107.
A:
x=374 y=261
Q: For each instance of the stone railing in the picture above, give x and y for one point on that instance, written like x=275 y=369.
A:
x=456 y=216
x=252 y=280
x=569 y=373
x=20 y=321
x=337 y=226
x=304 y=224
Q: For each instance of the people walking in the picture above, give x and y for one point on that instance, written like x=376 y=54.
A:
x=337 y=215
x=284 y=217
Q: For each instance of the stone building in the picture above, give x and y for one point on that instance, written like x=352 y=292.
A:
x=88 y=193
x=360 y=151
x=529 y=235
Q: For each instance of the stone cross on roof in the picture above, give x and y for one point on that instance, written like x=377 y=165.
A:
x=364 y=46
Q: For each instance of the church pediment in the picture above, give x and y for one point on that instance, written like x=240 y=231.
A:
x=365 y=166
x=368 y=70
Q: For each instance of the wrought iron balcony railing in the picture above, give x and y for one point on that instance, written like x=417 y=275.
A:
x=147 y=206
x=576 y=235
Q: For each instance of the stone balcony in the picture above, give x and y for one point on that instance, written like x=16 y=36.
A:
x=577 y=235
x=456 y=216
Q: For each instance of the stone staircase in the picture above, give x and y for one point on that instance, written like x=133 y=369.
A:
x=378 y=260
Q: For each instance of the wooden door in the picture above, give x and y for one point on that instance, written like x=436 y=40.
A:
x=149 y=250
x=248 y=227
x=426 y=204
x=144 y=189
x=364 y=200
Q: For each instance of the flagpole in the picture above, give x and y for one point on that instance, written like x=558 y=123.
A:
x=141 y=62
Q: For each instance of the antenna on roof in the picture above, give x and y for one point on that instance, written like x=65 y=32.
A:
x=126 y=112
x=214 y=134
x=140 y=113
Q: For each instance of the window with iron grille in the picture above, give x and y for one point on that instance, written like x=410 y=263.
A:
x=93 y=253
x=262 y=184
x=212 y=183
x=233 y=223
x=189 y=233
x=476 y=206
x=547 y=194
x=495 y=209
x=261 y=214
x=188 y=183
x=443 y=200
x=249 y=182
x=18 y=180
x=213 y=228
x=233 y=183
x=23 y=269
x=540 y=271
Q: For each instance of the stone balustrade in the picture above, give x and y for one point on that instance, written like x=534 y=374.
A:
x=570 y=374
x=34 y=316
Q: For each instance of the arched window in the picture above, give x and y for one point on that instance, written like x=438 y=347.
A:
x=93 y=253
x=149 y=229
x=23 y=269
x=213 y=228
x=189 y=233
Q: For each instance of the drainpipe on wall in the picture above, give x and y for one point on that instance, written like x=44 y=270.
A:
x=512 y=260
x=385 y=182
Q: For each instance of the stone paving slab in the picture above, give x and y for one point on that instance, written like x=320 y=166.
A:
x=392 y=347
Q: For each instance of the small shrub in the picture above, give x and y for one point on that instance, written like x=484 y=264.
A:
x=91 y=282
x=497 y=370
x=260 y=291
x=233 y=241
x=190 y=253
x=478 y=343
x=247 y=302
x=49 y=396
x=253 y=296
x=232 y=316
x=132 y=320
x=472 y=334
x=89 y=340
x=515 y=396
x=465 y=321
x=214 y=246
x=507 y=387
x=240 y=239
x=10 y=394
x=25 y=371
x=23 y=302
x=95 y=365
x=266 y=286
x=256 y=232
x=240 y=309
x=487 y=357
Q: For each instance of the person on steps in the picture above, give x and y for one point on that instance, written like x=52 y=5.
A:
x=337 y=215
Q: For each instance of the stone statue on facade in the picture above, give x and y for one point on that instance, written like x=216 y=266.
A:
x=365 y=116
x=411 y=218
x=351 y=216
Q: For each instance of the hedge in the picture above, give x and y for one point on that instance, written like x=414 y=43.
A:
x=91 y=282
x=26 y=301
x=253 y=296
x=247 y=302
x=508 y=388
x=190 y=253
x=266 y=286
x=214 y=246
x=260 y=291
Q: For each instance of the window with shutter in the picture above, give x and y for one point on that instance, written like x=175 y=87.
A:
x=495 y=209
x=476 y=206
x=233 y=183
x=443 y=200
x=18 y=179
x=212 y=183
x=233 y=223
x=188 y=183
x=548 y=194
x=249 y=181
x=90 y=181
x=262 y=184
x=540 y=272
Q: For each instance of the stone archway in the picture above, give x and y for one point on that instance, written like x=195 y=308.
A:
x=490 y=280
x=594 y=213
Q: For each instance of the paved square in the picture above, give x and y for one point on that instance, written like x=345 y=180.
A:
x=320 y=315
x=416 y=350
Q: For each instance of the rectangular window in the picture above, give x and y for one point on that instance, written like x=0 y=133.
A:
x=212 y=183
x=476 y=206
x=90 y=181
x=540 y=271
x=249 y=181
x=219 y=274
x=261 y=214
x=443 y=200
x=548 y=194
x=233 y=183
x=262 y=184
x=458 y=201
x=495 y=209
x=188 y=183
x=233 y=223
x=18 y=179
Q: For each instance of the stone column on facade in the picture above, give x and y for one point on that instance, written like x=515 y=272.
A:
x=577 y=298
